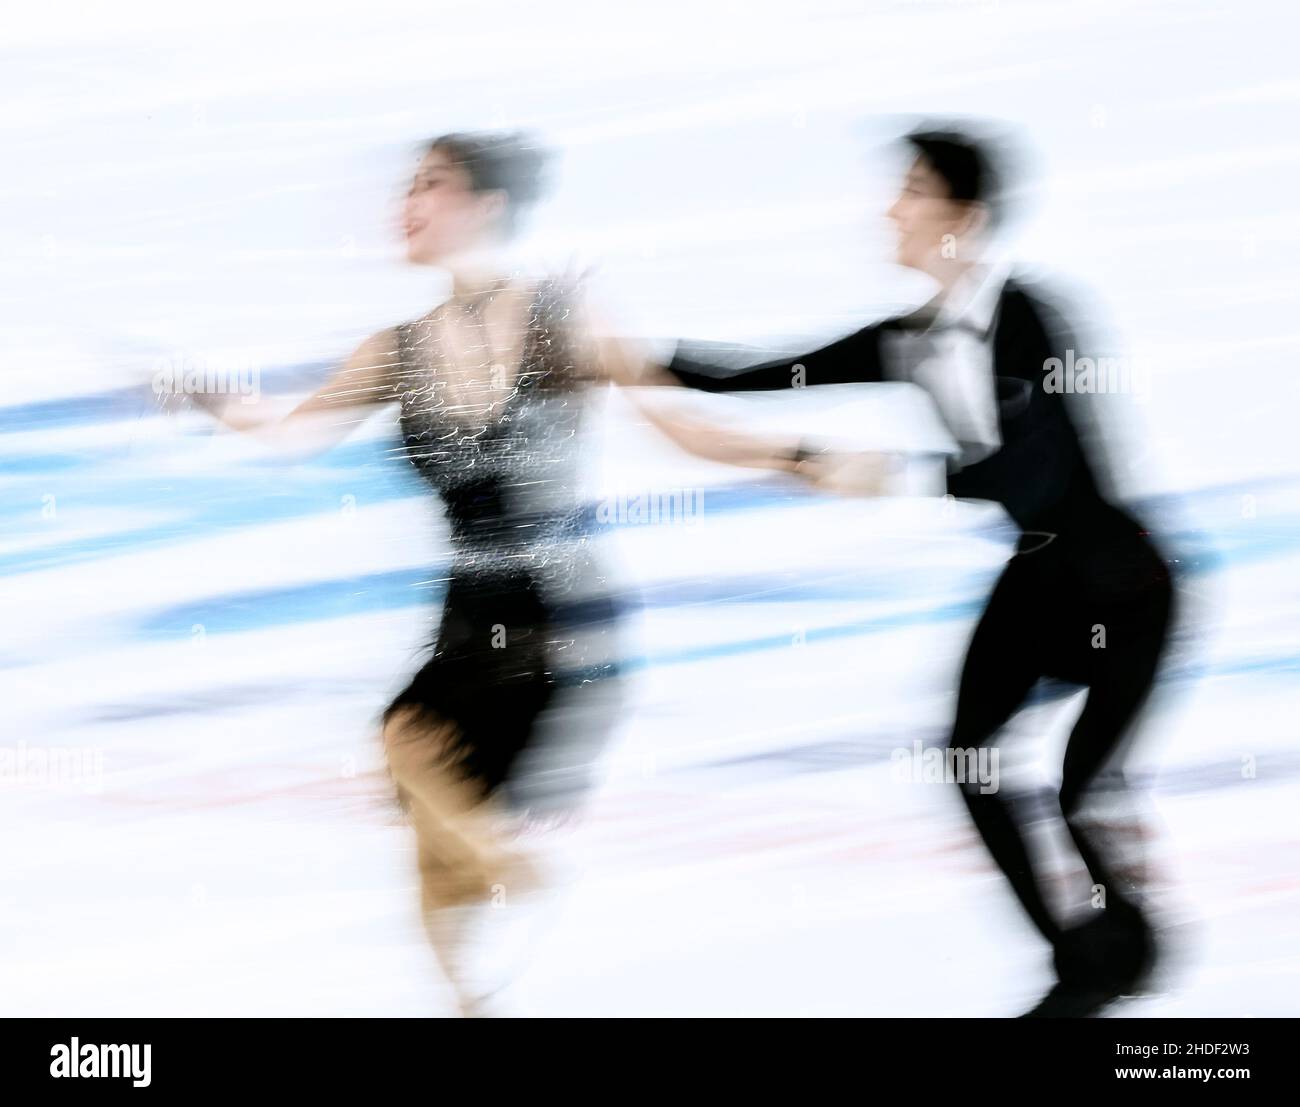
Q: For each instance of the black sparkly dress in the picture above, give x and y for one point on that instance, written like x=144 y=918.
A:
x=526 y=652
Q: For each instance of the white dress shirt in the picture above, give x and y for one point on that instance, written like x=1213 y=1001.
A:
x=952 y=359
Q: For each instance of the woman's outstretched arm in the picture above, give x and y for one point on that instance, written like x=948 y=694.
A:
x=333 y=411
x=626 y=363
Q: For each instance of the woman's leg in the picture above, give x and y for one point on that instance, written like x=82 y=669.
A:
x=466 y=864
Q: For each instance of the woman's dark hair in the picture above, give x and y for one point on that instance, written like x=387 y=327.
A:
x=511 y=162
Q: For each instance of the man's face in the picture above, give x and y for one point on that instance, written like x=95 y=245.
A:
x=927 y=221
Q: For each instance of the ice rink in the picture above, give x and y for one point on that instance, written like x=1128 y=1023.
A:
x=199 y=632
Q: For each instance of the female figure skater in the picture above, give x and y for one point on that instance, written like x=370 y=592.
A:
x=490 y=388
x=1086 y=598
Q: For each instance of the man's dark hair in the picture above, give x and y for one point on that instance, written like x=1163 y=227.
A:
x=965 y=164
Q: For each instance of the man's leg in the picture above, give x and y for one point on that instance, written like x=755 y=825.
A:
x=1123 y=674
x=1002 y=665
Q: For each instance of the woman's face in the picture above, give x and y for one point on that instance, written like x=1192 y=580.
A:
x=443 y=215
x=928 y=223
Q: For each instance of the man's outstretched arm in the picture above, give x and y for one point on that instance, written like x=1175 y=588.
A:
x=854 y=359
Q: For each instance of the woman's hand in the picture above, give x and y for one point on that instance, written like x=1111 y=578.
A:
x=246 y=418
x=848 y=473
x=170 y=400
x=219 y=408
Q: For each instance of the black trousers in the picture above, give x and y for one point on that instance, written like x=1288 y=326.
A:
x=1094 y=609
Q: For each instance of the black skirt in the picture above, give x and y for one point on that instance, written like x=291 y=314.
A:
x=492 y=674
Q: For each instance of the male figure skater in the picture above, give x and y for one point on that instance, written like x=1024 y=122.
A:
x=1085 y=598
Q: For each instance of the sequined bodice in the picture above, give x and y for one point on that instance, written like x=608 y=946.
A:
x=507 y=470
